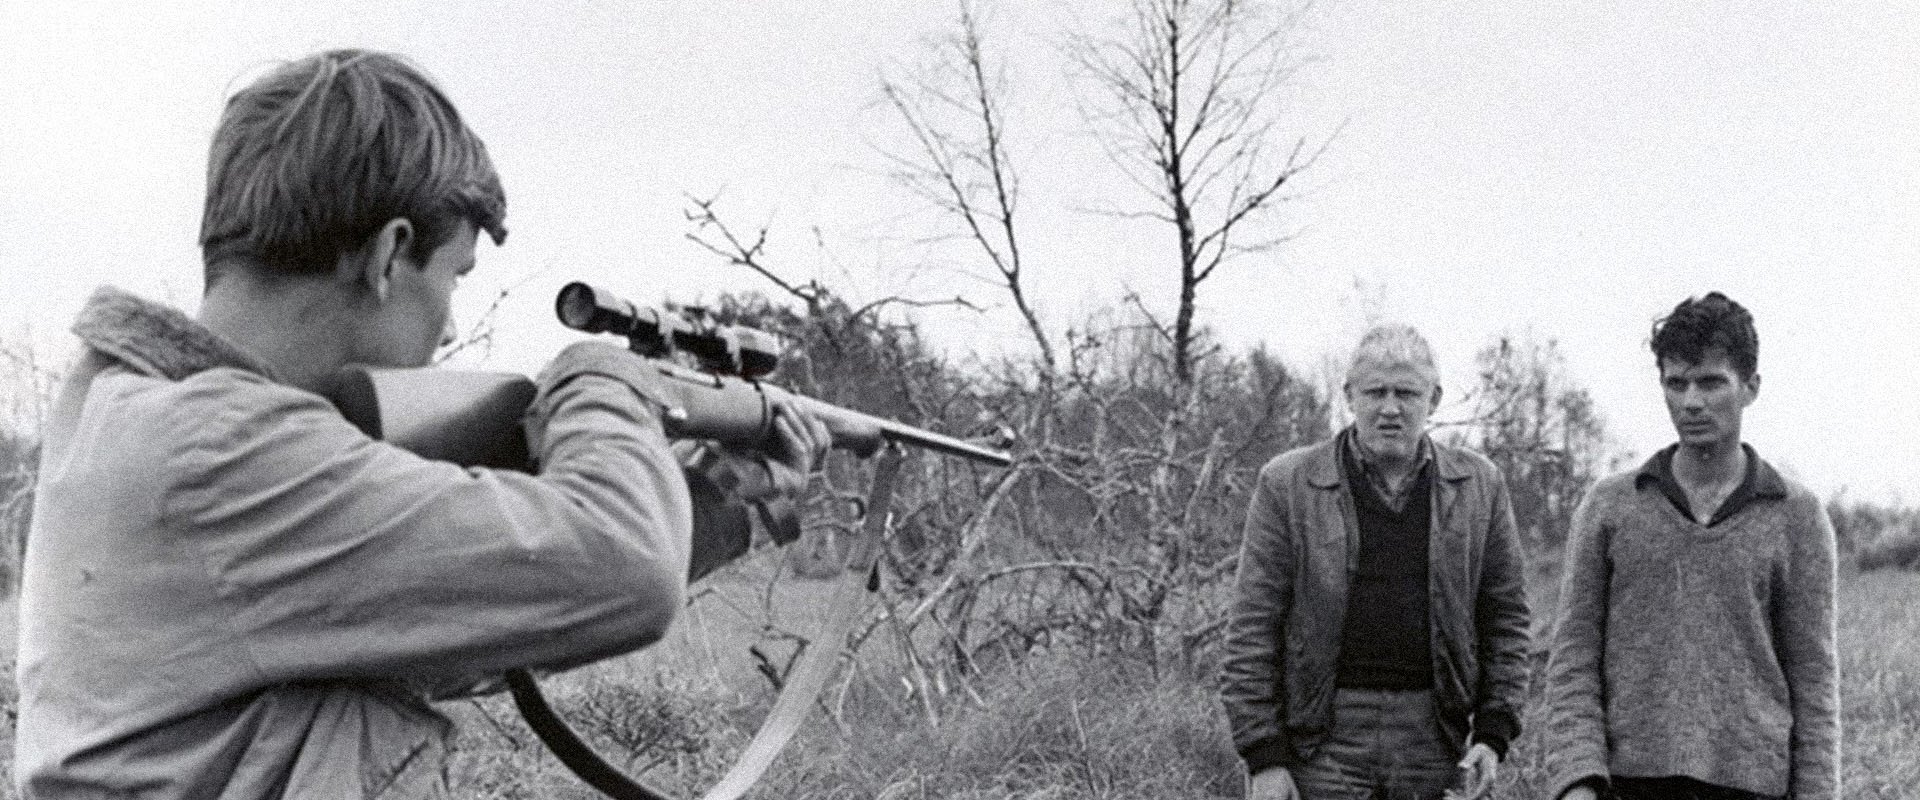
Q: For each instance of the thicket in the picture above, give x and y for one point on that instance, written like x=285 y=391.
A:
x=1876 y=535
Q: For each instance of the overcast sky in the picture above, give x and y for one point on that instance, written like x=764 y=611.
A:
x=1573 y=169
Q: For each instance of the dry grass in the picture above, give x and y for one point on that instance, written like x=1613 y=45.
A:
x=1052 y=727
x=1880 y=685
x=1062 y=727
x=1055 y=727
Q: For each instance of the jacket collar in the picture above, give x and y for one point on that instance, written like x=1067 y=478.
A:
x=156 y=339
x=1323 y=461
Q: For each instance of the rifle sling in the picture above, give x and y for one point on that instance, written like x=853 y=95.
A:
x=824 y=648
x=567 y=746
x=803 y=683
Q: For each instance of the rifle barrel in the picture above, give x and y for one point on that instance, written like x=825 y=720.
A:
x=861 y=432
x=942 y=443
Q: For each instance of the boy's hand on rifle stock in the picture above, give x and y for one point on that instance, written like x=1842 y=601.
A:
x=801 y=448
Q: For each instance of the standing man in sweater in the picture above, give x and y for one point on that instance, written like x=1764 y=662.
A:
x=1378 y=640
x=1694 y=650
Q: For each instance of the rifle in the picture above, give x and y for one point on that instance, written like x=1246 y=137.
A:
x=473 y=419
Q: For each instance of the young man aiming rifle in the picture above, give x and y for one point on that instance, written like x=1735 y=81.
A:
x=229 y=591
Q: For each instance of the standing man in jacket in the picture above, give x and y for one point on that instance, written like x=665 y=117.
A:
x=1693 y=654
x=1378 y=641
x=231 y=592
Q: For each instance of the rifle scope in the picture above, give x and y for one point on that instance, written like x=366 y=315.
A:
x=723 y=349
x=716 y=406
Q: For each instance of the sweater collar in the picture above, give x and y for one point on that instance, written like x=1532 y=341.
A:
x=1761 y=482
x=156 y=339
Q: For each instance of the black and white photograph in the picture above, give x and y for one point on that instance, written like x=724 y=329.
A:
x=974 y=399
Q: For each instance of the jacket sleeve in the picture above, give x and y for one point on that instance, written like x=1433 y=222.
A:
x=1255 y=652
x=1502 y=623
x=336 y=556
x=1804 y=629
x=1576 y=735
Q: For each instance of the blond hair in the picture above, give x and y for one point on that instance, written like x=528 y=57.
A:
x=1394 y=344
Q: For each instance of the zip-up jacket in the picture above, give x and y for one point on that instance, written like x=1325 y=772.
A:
x=1297 y=558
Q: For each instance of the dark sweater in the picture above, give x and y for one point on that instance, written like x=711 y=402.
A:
x=1707 y=652
x=1384 y=640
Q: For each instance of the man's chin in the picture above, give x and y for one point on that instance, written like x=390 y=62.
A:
x=1393 y=449
x=1702 y=440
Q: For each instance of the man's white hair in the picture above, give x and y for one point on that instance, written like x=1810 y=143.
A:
x=1394 y=344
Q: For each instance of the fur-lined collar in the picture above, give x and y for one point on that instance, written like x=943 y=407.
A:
x=156 y=339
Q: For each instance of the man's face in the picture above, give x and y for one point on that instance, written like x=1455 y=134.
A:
x=1390 y=404
x=416 y=319
x=1706 y=399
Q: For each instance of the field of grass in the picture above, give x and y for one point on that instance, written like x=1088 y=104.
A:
x=1066 y=727
x=1880 y=685
x=1053 y=727
x=1063 y=727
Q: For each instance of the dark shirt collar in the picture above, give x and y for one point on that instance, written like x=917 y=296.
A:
x=1760 y=482
x=1364 y=477
x=1350 y=441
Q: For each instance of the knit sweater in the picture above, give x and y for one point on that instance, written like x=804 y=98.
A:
x=1697 y=651
x=1384 y=640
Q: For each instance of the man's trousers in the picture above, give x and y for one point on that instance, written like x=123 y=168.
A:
x=1385 y=745
x=1676 y=789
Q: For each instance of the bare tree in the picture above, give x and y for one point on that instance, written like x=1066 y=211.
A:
x=953 y=111
x=1543 y=431
x=1186 y=104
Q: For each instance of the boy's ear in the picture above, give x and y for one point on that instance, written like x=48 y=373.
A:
x=374 y=261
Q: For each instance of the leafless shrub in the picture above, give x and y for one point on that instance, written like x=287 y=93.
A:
x=30 y=383
x=1892 y=549
x=651 y=722
x=1876 y=535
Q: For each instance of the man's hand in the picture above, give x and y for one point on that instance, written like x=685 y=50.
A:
x=801 y=449
x=1273 y=783
x=1481 y=764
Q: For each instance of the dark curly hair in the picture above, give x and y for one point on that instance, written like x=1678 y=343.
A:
x=1701 y=323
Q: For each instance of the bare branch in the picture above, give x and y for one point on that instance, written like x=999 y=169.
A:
x=955 y=302
x=1189 y=94
x=742 y=253
x=961 y=166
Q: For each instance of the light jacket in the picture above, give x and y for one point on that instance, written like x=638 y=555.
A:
x=230 y=592
x=1297 y=558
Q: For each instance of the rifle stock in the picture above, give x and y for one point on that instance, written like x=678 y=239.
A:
x=473 y=418
x=469 y=418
